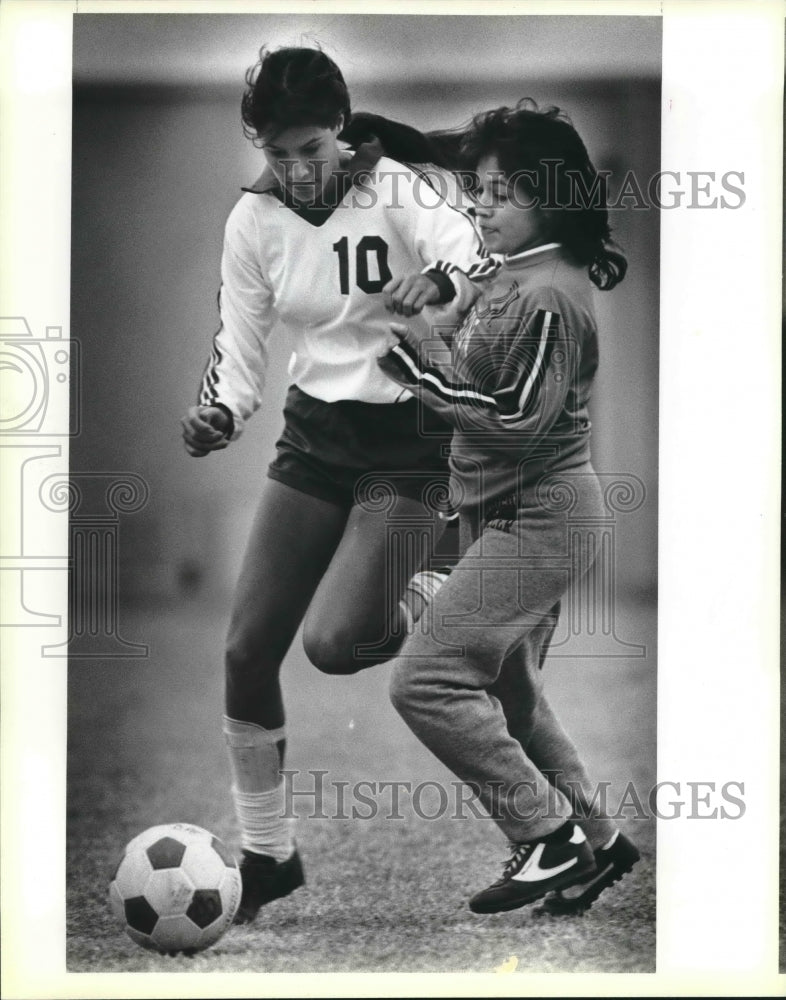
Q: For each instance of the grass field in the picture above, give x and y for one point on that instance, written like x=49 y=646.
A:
x=382 y=894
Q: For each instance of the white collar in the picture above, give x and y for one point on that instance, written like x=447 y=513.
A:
x=512 y=258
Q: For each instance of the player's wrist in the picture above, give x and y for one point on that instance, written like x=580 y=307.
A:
x=229 y=430
x=445 y=287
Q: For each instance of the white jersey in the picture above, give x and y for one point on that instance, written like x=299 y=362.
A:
x=321 y=273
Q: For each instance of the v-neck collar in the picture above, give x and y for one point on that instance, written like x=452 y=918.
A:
x=366 y=157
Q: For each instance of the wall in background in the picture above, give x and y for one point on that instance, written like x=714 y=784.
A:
x=156 y=170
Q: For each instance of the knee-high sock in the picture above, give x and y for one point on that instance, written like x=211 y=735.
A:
x=420 y=592
x=255 y=757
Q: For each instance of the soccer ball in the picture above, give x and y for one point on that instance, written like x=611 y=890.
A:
x=176 y=888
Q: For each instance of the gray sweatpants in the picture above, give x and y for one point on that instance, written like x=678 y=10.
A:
x=469 y=683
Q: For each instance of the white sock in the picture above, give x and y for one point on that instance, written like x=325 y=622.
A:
x=263 y=828
x=406 y=614
x=421 y=591
x=258 y=790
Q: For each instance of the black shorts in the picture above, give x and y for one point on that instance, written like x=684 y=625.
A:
x=349 y=452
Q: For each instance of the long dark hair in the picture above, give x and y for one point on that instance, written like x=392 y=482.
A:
x=540 y=149
x=543 y=153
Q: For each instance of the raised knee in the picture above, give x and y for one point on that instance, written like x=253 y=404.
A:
x=329 y=653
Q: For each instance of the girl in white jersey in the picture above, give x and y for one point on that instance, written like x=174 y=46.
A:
x=312 y=244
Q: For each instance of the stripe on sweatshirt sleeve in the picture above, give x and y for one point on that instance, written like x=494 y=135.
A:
x=518 y=400
x=431 y=378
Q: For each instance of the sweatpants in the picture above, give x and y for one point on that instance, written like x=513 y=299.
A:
x=470 y=684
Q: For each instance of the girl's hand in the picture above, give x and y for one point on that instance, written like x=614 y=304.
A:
x=407 y=296
x=204 y=430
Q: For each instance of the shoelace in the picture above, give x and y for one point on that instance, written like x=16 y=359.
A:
x=519 y=853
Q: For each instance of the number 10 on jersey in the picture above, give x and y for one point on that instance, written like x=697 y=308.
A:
x=371 y=264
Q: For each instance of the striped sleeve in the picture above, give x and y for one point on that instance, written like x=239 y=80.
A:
x=480 y=271
x=437 y=379
x=467 y=284
x=425 y=368
x=234 y=375
x=521 y=382
x=523 y=388
x=209 y=387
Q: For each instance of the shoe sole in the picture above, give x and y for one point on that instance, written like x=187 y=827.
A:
x=579 y=906
x=505 y=906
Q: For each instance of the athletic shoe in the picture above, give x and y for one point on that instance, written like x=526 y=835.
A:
x=265 y=879
x=535 y=868
x=613 y=860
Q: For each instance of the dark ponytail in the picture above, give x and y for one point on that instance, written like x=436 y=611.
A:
x=405 y=143
x=608 y=268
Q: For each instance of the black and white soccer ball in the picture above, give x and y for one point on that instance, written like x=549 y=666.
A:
x=176 y=888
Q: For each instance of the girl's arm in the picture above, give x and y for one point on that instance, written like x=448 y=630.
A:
x=516 y=380
x=423 y=365
x=234 y=376
x=439 y=283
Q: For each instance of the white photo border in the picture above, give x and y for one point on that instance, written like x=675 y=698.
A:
x=718 y=683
